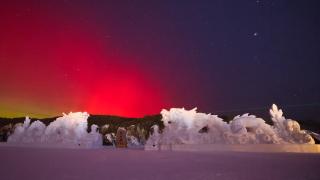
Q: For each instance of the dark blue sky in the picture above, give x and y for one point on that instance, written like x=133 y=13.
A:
x=224 y=55
x=217 y=55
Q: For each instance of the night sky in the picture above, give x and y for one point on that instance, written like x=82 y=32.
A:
x=133 y=58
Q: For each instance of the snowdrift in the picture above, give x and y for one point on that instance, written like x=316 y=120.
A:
x=70 y=130
x=190 y=127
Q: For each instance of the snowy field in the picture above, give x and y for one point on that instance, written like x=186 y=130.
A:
x=191 y=146
x=105 y=163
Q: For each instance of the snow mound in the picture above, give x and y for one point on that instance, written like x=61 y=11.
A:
x=68 y=130
x=190 y=127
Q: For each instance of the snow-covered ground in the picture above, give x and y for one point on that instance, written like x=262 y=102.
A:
x=202 y=146
x=106 y=163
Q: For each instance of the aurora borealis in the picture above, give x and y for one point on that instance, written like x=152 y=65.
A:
x=53 y=62
x=133 y=58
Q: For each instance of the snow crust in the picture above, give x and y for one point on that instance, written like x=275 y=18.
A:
x=134 y=164
x=68 y=130
x=190 y=127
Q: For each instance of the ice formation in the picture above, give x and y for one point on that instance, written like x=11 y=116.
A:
x=68 y=130
x=189 y=127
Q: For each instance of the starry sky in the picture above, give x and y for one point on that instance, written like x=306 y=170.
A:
x=133 y=58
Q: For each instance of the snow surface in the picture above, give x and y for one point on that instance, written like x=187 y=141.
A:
x=77 y=164
x=42 y=152
x=267 y=148
x=190 y=127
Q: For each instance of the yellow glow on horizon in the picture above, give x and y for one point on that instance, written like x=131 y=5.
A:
x=12 y=111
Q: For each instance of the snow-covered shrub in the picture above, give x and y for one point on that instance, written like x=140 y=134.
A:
x=69 y=130
x=189 y=127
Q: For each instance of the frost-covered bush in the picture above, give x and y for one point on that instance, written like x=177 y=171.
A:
x=69 y=130
x=153 y=140
x=109 y=139
x=189 y=127
x=288 y=129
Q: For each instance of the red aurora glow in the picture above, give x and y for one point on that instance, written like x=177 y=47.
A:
x=53 y=64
